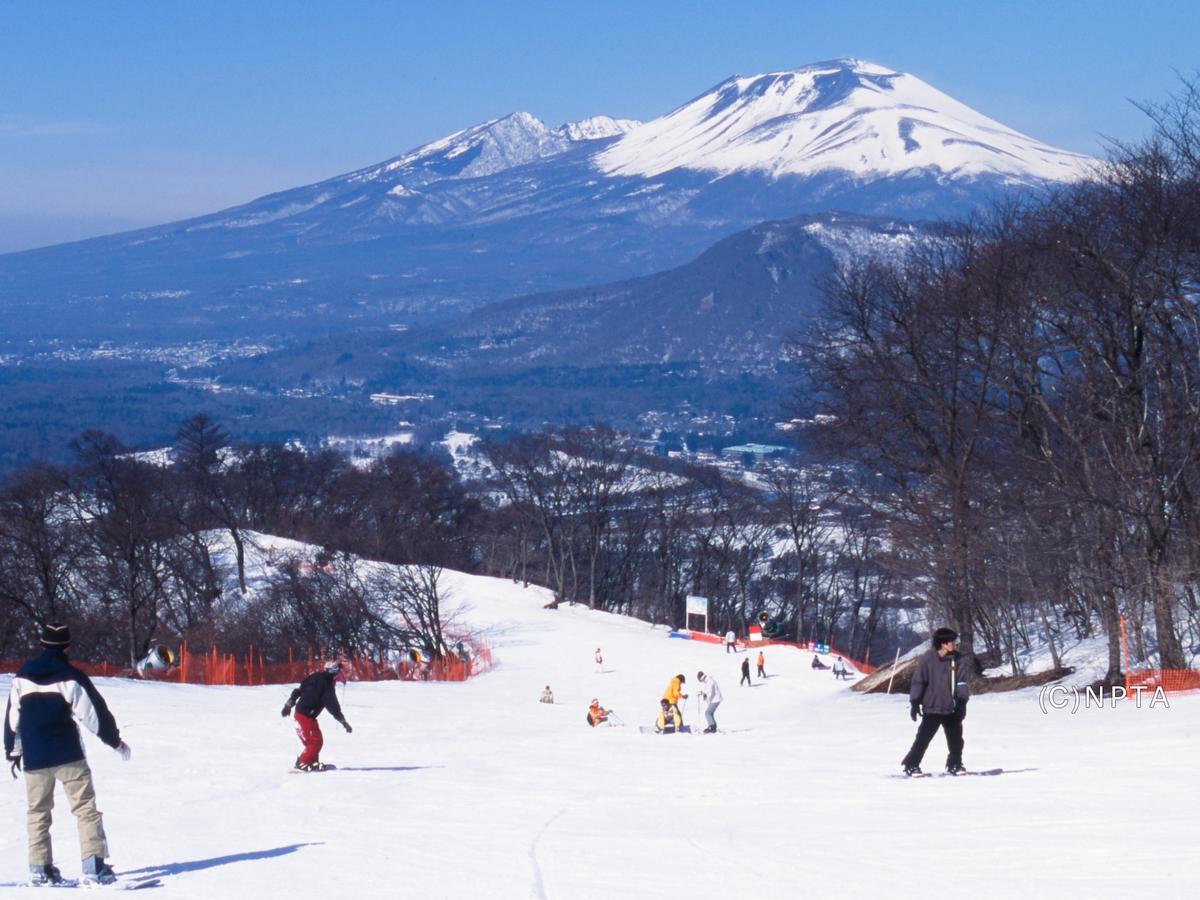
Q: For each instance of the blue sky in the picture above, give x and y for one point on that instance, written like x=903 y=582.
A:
x=120 y=114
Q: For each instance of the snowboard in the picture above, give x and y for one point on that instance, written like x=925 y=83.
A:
x=948 y=775
x=326 y=768
x=650 y=729
x=133 y=884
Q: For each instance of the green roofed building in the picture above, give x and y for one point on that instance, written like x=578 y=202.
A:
x=759 y=450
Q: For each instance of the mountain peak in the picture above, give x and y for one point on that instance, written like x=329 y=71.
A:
x=597 y=127
x=847 y=115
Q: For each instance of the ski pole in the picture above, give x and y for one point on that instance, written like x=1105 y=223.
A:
x=892 y=677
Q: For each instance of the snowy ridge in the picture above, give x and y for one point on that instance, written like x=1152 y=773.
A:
x=494 y=146
x=846 y=115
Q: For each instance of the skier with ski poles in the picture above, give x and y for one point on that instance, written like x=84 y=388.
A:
x=939 y=693
x=315 y=694
x=710 y=691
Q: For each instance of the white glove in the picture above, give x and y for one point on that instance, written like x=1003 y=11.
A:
x=125 y=751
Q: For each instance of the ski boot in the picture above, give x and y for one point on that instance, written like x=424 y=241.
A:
x=910 y=771
x=47 y=874
x=97 y=871
x=956 y=769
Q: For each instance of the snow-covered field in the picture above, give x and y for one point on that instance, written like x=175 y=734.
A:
x=477 y=790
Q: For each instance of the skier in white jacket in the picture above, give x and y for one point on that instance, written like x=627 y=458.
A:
x=710 y=691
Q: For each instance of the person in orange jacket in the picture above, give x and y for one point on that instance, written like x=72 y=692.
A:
x=761 y=661
x=597 y=714
x=674 y=693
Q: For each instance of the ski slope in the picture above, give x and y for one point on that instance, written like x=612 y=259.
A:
x=477 y=790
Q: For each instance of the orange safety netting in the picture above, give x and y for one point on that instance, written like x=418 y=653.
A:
x=214 y=668
x=1170 y=680
x=90 y=669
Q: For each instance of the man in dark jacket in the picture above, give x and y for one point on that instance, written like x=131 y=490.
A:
x=315 y=694
x=939 y=693
x=40 y=735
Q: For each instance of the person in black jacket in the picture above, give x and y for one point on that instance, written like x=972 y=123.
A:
x=48 y=695
x=315 y=694
x=939 y=693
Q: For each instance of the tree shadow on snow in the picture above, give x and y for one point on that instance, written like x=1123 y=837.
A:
x=197 y=865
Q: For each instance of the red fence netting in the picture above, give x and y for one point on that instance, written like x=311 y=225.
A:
x=1170 y=680
x=212 y=667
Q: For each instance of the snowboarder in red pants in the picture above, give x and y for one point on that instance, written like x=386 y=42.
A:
x=315 y=694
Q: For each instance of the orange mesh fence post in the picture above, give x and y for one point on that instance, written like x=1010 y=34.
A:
x=1125 y=655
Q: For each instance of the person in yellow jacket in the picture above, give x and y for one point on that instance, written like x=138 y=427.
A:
x=669 y=720
x=674 y=693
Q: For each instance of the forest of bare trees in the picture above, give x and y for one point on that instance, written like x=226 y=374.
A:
x=1026 y=391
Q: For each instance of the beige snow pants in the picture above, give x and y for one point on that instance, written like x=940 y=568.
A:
x=76 y=780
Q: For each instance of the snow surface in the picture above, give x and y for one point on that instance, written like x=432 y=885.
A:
x=477 y=790
x=845 y=115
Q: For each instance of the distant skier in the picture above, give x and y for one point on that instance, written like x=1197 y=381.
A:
x=939 y=692
x=48 y=695
x=669 y=721
x=839 y=669
x=730 y=641
x=597 y=714
x=674 y=693
x=761 y=660
x=710 y=691
x=315 y=694
x=599 y=661
x=745 y=672
x=547 y=695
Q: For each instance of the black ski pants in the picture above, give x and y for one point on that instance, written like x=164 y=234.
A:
x=952 y=724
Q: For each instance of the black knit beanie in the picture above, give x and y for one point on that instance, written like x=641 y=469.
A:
x=56 y=635
x=944 y=636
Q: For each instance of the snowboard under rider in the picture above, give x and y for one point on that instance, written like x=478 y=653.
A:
x=315 y=694
x=47 y=697
x=939 y=694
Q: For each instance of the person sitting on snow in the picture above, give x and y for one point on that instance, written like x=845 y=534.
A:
x=669 y=720
x=547 y=695
x=817 y=664
x=597 y=714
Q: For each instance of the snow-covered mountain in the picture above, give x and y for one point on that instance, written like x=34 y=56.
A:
x=845 y=116
x=512 y=206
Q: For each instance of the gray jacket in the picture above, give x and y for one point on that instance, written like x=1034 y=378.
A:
x=939 y=683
